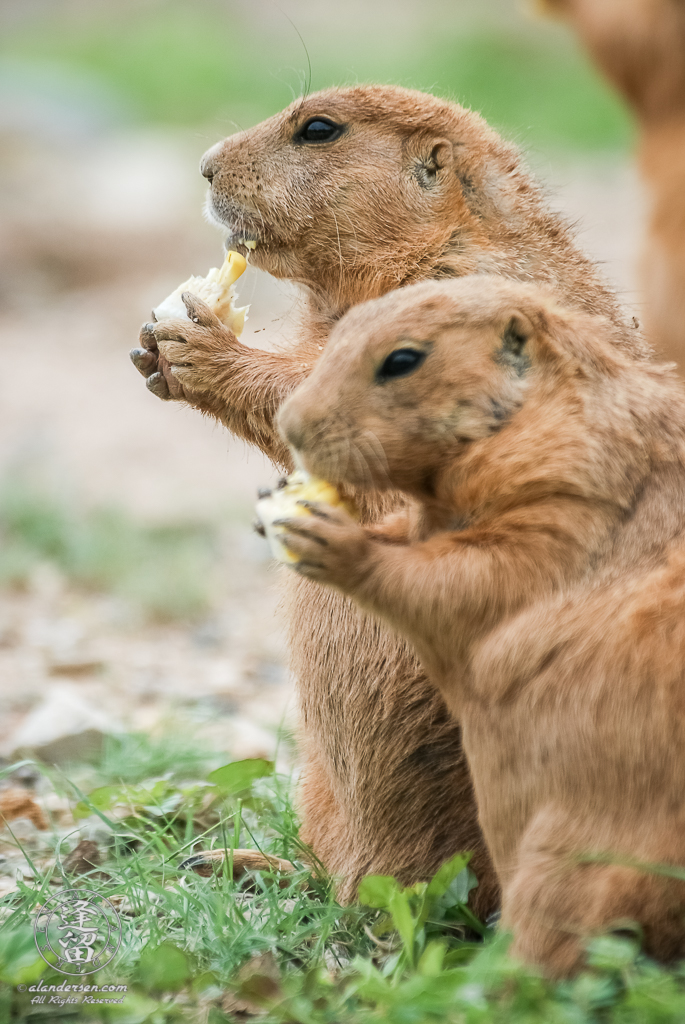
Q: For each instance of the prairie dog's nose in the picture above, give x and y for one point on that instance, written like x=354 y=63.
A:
x=291 y=424
x=208 y=163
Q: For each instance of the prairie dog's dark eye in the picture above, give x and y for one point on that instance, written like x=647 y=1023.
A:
x=319 y=129
x=400 y=363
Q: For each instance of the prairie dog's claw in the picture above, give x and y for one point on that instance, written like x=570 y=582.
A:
x=158 y=386
x=144 y=360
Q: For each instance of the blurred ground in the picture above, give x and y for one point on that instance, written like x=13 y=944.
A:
x=99 y=219
x=85 y=275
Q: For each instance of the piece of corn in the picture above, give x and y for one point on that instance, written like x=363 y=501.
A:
x=282 y=503
x=216 y=290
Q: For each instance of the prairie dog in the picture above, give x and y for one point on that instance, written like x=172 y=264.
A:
x=539 y=576
x=353 y=193
x=640 y=47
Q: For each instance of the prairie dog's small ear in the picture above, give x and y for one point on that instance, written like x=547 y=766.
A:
x=441 y=155
x=515 y=334
x=518 y=329
x=429 y=156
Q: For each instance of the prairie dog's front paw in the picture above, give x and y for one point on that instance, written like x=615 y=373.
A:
x=148 y=361
x=205 y=301
x=194 y=350
x=329 y=545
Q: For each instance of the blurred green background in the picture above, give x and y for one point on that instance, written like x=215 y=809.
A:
x=221 y=64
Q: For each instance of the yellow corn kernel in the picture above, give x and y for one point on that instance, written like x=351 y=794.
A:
x=283 y=503
x=215 y=289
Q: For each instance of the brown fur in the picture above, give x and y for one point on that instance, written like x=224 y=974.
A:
x=640 y=46
x=416 y=188
x=540 y=579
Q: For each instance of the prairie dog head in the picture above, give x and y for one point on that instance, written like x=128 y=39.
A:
x=412 y=382
x=355 y=191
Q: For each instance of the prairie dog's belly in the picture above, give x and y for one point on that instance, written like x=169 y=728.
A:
x=355 y=677
x=587 y=720
x=340 y=654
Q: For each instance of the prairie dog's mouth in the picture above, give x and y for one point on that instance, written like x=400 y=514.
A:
x=240 y=230
x=234 y=240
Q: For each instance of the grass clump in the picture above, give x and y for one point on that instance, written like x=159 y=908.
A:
x=135 y=757
x=165 y=571
x=279 y=948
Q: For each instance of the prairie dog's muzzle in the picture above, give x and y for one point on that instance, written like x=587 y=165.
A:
x=208 y=163
x=292 y=423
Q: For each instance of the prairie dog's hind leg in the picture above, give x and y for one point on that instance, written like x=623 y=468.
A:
x=556 y=901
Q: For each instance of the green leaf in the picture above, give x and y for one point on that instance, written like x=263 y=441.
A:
x=458 y=892
x=239 y=775
x=20 y=961
x=152 y=797
x=364 y=978
x=404 y=921
x=461 y=955
x=101 y=799
x=446 y=874
x=612 y=952
x=148 y=795
x=205 y=981
x=163 y=968
x=430 y=964
x=377 y=891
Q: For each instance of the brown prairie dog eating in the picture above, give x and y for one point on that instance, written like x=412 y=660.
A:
x=392 y=187
x=539 y=578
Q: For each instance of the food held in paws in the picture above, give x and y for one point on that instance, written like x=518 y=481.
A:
x=283 y=502
x=216 y=290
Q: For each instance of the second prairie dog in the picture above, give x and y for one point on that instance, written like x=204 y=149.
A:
x=540 y=575
x=414 y=188
x=640 y=47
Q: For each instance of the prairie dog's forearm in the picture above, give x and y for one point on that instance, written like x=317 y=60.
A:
x=249 y=387
x=445 y=592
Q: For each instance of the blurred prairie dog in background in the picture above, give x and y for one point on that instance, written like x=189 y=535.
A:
x=540 y=576
x=640 y=47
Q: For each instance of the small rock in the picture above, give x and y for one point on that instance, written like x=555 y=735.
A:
x=24 y=831
x=85 y=856
x=7 y=886
x=208 y=634
x=244 y=738
x=58 y=807
x=62 y=728
x=75 y=665
x=27 y=776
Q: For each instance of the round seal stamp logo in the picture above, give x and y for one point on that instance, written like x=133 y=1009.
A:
x=77 y=931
